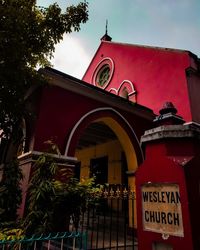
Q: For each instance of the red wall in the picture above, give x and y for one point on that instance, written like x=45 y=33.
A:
x=60 y=110
x=158 y=168
x=158 y=74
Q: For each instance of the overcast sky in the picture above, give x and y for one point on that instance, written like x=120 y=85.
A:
x=164 y=23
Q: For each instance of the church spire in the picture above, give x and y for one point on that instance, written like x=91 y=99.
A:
x=106 y=37
x=106 y=26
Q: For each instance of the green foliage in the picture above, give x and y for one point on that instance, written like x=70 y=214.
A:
x=41 y=196
x=72 y=199
x=51 y=202
x=10 y=193
x=12 y=234
x=28 y=35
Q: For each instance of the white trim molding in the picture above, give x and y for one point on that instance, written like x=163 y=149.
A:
x=133 y=91
x=102 y=63
x=95 y=111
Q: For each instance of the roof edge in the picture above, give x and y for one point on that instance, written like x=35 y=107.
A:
x=91 y=91
x=152 y=47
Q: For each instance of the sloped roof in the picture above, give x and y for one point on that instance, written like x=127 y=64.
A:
x=67 y=82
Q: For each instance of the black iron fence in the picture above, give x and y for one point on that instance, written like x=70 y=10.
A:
x=106 y=224
x=109 y=223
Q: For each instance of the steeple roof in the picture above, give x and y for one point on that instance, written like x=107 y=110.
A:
x=106 y=37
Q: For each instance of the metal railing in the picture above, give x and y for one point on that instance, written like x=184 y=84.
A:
x=52 y=241
x=110 y=222
x=106 y=224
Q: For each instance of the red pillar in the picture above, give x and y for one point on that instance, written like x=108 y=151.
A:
x=166 y=183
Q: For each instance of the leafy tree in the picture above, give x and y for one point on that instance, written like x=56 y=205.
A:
x=28 y=35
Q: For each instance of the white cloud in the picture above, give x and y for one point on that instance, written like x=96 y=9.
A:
x=70 y=57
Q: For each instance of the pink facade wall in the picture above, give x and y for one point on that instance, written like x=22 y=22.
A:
x=158 y=74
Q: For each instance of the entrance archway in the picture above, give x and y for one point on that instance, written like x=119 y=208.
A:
x=118 y=124
x=124 y=134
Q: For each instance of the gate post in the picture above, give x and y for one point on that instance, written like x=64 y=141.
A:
x=168 y=185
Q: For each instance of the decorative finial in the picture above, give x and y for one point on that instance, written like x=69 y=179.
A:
x=168 y=115
x=168 y=107
x=106 y=37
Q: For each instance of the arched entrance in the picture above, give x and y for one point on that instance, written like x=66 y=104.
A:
x=116 y=123
x=99 y=140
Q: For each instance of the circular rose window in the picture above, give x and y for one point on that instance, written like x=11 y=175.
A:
x=103 y=73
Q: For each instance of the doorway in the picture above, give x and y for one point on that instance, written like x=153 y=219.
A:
x=99 y=169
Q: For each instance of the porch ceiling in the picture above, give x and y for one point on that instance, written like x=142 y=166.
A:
x=96 y=133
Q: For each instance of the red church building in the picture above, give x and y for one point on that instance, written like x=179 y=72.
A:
x=98 y=122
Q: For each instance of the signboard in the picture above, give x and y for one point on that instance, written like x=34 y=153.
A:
x=162 y=209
